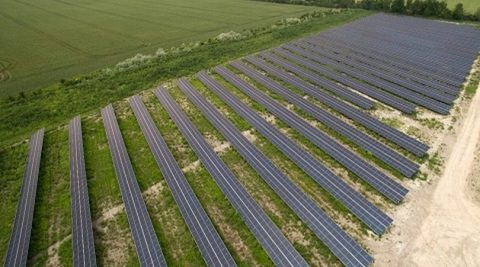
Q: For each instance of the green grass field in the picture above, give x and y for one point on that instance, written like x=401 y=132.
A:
x=47 y=40
x=469 y=5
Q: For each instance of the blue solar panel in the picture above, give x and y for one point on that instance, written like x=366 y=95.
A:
x=267 y=233
x=421 y=89
x=17 y=252
x=144 y=237
x=357 y=115
x=398 y=63
x=311 y=61
x=379 y=95
x=356 y=203
x=211 y=246
x=397 y=192
x=342 y=245
x=366 y=59
x=82 y=231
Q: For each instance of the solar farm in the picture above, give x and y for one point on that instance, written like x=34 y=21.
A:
x=285 y=157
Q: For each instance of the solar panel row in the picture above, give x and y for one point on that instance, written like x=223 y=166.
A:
x=17 y=252
x=356 y=203
x=398 y=63
x=342 y=245
x=430 y=92
x=416 y=47
x=312 y=61
x=421 y=61
x=144 y=237
x=204 y=233
x=328 y=74
x=439 y=49
x=280 y=250
x=364 y=75
x=378 y=149
x=82 y=231
x=331 y=147
x=397 y=49
x=371 y=123
x=365 y=60
x=417 y=79
x=326 y=84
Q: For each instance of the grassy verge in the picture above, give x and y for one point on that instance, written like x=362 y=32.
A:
x=472 y=87
x=55 y=104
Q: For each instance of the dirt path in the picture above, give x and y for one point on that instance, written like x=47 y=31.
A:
x=439 y=223
x=450 y=234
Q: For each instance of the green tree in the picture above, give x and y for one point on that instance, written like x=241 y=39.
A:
x=386 y=5
x=398 y=6
x=476 y=15
x=443 y=11
x=367 y=4
x=408 y=7
x=418 y=7
x=458 y=12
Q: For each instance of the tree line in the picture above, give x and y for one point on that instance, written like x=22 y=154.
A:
x=426 y=8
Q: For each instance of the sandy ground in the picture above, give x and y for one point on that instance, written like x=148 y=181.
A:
x=439 y=223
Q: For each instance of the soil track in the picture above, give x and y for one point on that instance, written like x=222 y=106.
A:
x=450 y=234
x=439 y=223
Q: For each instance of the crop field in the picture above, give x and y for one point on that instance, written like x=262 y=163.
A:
x=45 y=41
x=469 y=5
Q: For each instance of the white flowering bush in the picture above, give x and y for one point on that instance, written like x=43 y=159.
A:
x=160 y=52
x=229 y=36
x=133 y=62
x=292 y=21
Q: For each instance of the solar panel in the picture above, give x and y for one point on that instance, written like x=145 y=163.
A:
x=378 y=149
x=281 y=252
x=421 y=89
x=382 y=56
x=17 y=252
x=413 y=97
x=209 y=242
x=82 y=231
x=327 y=85
x=367 y=60
x=342 y=245
x=331 y=147
x=394 y=135
x=144 y=237
x=353 y=113
x=356 y=203
x=379 y=95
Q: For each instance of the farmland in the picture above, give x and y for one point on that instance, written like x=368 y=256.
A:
x=469 y=5
x=45 y=41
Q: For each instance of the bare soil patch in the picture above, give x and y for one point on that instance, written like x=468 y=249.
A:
x=438 y=224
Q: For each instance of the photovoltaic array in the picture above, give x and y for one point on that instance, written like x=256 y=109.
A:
x=335 y=78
